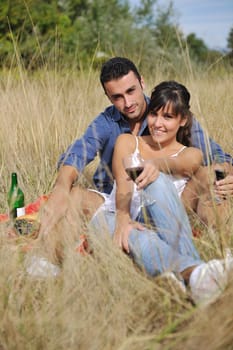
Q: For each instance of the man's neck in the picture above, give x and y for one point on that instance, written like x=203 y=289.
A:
x=135 y=127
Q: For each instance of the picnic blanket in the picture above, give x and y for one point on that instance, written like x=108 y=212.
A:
x=30 y=208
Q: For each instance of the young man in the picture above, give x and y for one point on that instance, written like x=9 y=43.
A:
x=123 y=86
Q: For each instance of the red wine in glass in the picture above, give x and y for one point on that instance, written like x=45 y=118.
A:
x=220 y=174
x=134 y=165
x=134 y=172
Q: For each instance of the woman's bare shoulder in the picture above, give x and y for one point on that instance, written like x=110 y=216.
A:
x=125 y=138
x=193 y=150
x=193 y=153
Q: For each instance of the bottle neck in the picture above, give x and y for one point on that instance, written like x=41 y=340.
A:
x=14 y=180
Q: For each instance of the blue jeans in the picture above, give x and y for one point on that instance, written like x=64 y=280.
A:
x=170 y=246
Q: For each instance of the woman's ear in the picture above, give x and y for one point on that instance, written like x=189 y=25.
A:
x=183 y=121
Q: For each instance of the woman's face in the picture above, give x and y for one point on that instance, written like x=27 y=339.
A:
x=164 y=124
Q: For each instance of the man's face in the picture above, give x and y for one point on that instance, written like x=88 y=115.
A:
x=126 y=94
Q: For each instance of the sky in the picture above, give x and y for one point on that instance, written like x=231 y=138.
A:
x=210 y=20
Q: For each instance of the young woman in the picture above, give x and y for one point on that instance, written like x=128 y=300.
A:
x=169 y=148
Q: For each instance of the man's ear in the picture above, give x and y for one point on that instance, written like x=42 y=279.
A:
x=142 y=83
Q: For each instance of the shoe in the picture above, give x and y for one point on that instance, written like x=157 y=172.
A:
x=208 y=280
x=174 y=280
x=40 y=267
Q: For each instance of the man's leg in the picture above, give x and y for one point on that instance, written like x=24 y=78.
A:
x=83 y=204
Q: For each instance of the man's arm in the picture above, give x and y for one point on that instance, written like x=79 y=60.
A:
x=71 y=164
x=211 y=150
x=209 y=147
x=58 y=202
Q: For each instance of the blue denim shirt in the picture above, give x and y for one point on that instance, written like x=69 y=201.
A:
x=210 y=149
x=100 y=138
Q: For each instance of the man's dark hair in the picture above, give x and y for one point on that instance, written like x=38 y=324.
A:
x=116 y=68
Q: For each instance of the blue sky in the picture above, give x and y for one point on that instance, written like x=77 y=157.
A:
x=210 y=20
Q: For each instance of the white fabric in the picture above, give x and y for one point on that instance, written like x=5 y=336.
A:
x=208 y=280
x=181 y=182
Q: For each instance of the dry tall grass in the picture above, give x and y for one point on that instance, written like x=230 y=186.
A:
x=100 y=301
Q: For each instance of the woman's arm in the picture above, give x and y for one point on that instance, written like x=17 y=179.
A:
x=186 y=163
x=125 y=144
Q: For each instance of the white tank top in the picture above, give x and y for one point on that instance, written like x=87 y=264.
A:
x=179 y=182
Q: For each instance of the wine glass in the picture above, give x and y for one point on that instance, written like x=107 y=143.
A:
x=134 y=165
x=219 y=170
x=220 y=173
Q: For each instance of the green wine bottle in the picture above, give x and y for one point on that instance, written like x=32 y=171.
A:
x=15 y=199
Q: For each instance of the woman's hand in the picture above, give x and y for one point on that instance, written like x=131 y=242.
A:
x=149 y=174
x=122 y=233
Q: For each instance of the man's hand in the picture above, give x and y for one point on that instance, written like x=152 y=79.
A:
x=53 y=210
x=224 y=187
x=58 y=202
x=149 y=174
x=121 y=234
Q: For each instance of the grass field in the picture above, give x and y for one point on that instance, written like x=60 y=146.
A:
x=101 y=301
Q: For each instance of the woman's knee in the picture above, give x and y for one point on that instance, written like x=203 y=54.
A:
x=162 y=187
